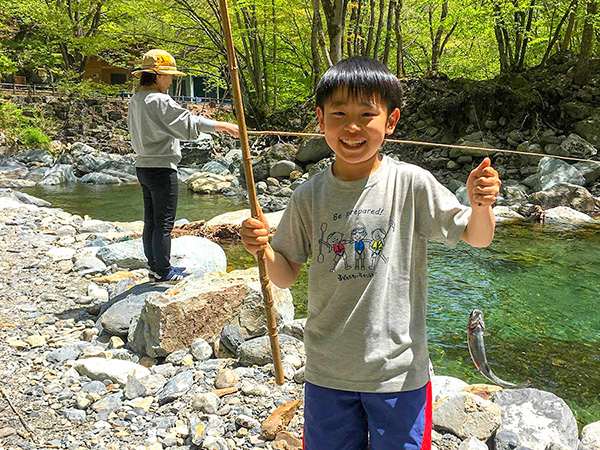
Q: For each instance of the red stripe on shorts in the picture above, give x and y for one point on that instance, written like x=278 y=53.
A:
x=426 y=444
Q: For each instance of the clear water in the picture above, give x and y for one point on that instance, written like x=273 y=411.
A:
x=124 y=202
x=537 y=287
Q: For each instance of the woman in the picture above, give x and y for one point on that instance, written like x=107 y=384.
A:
x=156 y=125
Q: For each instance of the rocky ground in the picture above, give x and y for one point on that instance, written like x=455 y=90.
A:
x=47 y=321
x=79 y=369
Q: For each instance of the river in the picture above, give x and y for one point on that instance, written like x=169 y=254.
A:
x=538 y=288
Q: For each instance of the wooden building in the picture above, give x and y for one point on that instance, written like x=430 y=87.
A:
x=100 y=71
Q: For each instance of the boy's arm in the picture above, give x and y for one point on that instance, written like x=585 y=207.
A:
x=483 y=186
x=255 y=236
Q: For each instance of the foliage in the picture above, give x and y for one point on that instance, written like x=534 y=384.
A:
x=33 y=137
x=283 y=46
x=7 y=66
x=87 y=88
x=29 y=132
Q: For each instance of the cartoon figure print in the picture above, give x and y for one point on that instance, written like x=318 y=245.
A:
x=377 y=243
x=358 y=237
x=335 y=243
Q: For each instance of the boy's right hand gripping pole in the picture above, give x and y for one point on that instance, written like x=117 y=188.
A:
x=254 y=207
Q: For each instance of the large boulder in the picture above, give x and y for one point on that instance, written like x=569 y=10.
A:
x=279 y=152
x=209 y=183
x=564 y=194
x=99 y=178
x=59 y=174
x=79 y=148
x=443 y=386
x=197 y=152
x=552 y=171
x=505 y=214
x=123 y=177
x=200 y=308
x=116 y=314
x=198 y=255
x=283 y=169
x=589 y=129
x=258 y=351
x=39 y=155
x=30 y=199
x=314 y=150
x=589 y=170
x=220 y=166
x=235 y=218
x=564 y=214
x=89 y=163
x=590 y=437
x=537 y=417
x=118 y=166
x=575 y=146
x=7 y=161
x=467 y=415
x=14 y=172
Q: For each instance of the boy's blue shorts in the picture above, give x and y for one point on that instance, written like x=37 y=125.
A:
x=342 y=420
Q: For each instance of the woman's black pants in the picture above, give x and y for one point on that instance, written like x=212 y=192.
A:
x=160 y=187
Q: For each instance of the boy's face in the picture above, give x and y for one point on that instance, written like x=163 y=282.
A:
x=355 y=128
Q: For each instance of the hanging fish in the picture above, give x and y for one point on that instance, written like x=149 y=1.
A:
x=477 y=349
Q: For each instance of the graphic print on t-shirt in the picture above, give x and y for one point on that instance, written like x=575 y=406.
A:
x=359 y=242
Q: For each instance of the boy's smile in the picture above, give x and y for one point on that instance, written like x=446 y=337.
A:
x=355 y=129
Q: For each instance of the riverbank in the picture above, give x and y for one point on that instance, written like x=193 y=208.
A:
x=50 y=338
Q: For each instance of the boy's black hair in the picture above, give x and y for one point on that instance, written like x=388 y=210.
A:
x=147 y=79
x=362 y=78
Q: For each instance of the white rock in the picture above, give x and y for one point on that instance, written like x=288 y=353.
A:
x=61 y=254
x=590 y=437
x=114 y=369
x=504 y=214
x=235 y=218
x=97 y=292
x=443 y=386
x=564 y=214
x=472 y=443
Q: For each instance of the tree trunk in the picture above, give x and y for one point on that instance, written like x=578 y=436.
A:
x=379 y=28
x=564 y=46
x=570 y=10
x=335 y=11
x=523 y=49
x=320 y=35
x=351 y=37
x=400 y=72
x=388 y=31
x=358 y=38
x=274 y=56
x=314 y=44
x=582 y=68
x=436 y=44
x=367 y=51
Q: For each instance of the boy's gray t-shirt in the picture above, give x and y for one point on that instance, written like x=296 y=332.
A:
x=367 y=284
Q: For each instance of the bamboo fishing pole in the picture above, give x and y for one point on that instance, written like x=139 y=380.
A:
x=254 y=206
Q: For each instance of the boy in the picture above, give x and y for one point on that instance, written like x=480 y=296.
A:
x=367 y=362
x=156 y=124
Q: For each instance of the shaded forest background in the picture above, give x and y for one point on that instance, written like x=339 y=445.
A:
x=285 y=45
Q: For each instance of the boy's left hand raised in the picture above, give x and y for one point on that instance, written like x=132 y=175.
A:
x=483 y=185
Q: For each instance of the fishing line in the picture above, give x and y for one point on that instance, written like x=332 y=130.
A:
x=430 y=144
